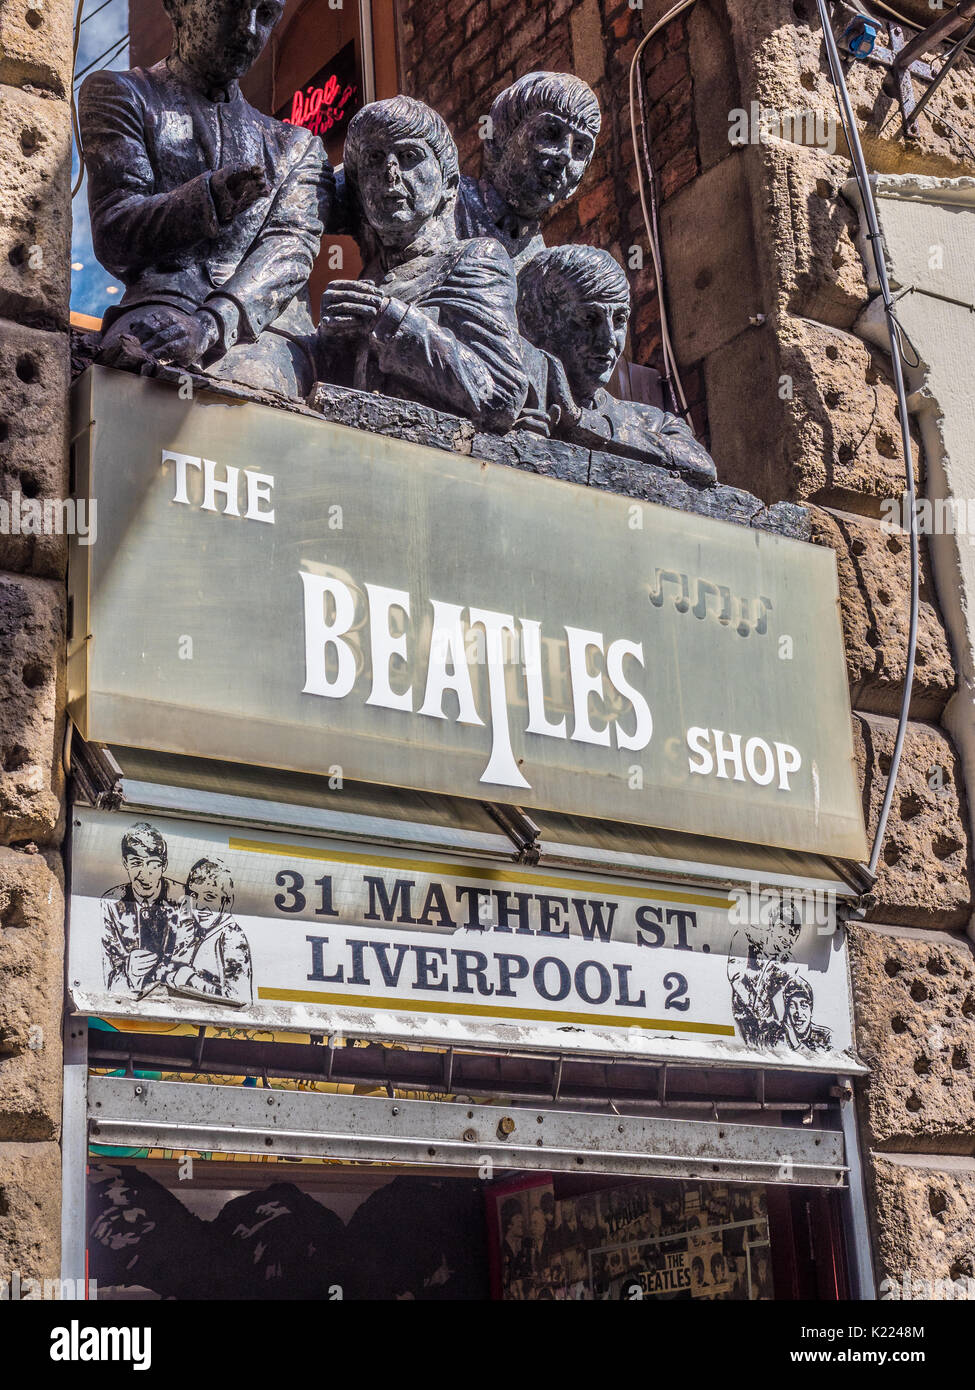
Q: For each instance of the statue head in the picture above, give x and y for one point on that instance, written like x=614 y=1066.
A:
x=221 y=39
x=543 y=134
x=401 y=165
x=574 y=302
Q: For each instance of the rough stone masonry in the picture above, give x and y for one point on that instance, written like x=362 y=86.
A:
x=35 y=234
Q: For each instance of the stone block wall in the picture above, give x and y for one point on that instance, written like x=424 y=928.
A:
x=765 y=286
x=35 y=233
x=822 y=420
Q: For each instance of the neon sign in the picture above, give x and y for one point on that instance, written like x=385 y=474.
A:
x=329 y=99
x=322 y=108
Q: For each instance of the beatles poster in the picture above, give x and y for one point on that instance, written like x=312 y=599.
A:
x=658 y=1240
x=175 y=920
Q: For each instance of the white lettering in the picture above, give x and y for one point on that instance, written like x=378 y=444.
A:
x=644 y=720
x=726 y=755
x=584 y=684
x=698 y=741
x=789 y=760
x=538 y=723
x=182 y=462
x=259 y=487
x=228 y=488
x=752 y=747
x=320 y=635
x=502 y=770
x=447 y=645
x=385 y=646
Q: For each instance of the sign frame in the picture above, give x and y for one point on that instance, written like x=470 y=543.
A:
x=123 y=649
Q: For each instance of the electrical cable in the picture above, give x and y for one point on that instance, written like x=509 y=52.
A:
x=901 y=19
x=876 y=239
x=671 y=369
x=76 y=39
x=91 y=14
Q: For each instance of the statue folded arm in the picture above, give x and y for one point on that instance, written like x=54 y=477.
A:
x=279 y=262
x=459 y=340
x=133 y=227
x=678 y=447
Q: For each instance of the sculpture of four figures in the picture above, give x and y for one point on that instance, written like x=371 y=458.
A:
x=211 y=214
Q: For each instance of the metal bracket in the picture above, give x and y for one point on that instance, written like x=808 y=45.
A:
x=904 y=63
x=298 y=1124
x=901 y=75
x=520 y=829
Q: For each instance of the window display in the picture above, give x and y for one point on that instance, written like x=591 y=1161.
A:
x=658 y=1240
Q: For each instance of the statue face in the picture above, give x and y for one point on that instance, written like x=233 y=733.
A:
x=401 y=187
x=541 y=164
x=222 y=39
x=591 y=339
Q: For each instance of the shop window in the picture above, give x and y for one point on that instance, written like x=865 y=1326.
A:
x=164 y=1224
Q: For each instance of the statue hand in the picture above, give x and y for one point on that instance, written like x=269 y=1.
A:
x=179 y=339
x=562 y=408
x=236 y=188
x=350 y=307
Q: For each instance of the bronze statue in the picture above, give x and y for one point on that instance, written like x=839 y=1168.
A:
x=543 y=135
x=208 y=211
x=574 y=309
x=432 y=318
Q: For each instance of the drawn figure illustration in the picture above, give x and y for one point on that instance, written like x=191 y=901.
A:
x=139 y=917
x=156 y=932
x=211 y=955
x=797 y=1026
x=772 y=1005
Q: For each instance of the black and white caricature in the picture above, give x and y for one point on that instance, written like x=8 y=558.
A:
x=158 y=932
x=211 y=955
x=797 y=1026
x=772 y=1004
x=139 y=916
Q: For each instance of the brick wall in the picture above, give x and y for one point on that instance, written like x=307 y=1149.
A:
x=35 y=230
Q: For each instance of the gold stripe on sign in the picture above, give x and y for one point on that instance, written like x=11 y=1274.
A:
x=366 y=1001
x=445 y=870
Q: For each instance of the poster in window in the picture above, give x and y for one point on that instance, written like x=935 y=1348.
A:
x=657 y=1241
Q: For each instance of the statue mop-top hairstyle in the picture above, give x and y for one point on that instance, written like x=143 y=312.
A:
x=568 y=96
x=402 y=118
x=547 y=283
